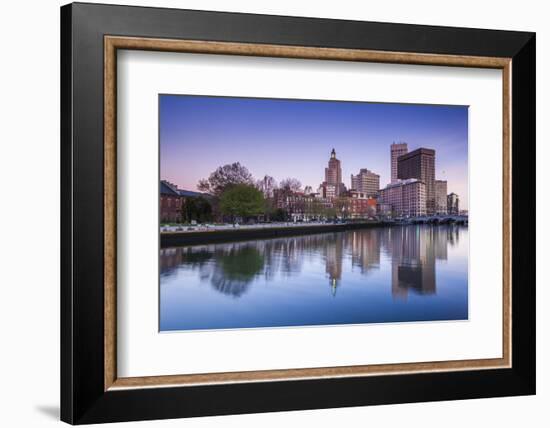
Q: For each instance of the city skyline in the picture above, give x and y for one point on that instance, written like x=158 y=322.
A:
x=294 y=138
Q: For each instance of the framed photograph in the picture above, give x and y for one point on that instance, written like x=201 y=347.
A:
x=265 y=213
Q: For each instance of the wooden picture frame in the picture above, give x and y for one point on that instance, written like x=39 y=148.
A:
x=91 y=390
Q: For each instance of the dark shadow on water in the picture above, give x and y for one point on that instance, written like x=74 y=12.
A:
x=50 y=411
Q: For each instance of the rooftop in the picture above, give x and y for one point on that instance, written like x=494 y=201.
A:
x=402 y=183
x=167 y=188
x=420 y=151
x=190 y=193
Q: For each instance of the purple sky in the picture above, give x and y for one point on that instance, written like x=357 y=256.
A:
x=293 y=138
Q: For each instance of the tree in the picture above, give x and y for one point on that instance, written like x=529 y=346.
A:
x=242 y=200
x=342 y=206
x=198 y=209
x=330 y=212
x=224 y=177
x=290 y=185
x=316 y=209
x=279 y=214
x=286 y=192
x=236 y=268
x=267 y=186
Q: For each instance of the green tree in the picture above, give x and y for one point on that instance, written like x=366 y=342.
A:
x=316 y=209
x=198 y=209
x=235 y=269
x=242 y=200
x=330 y=213
x=279 y=214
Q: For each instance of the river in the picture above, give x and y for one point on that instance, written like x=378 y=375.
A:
x=375 y=275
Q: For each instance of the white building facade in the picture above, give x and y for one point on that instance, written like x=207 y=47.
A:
x=407 y=198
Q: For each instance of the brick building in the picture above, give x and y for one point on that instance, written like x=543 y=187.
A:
x=170 y=203
x=361 y=205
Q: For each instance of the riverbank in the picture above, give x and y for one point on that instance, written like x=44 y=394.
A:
x=176 y=239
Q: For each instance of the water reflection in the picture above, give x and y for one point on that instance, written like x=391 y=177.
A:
x=404 y=257
x=231 y=267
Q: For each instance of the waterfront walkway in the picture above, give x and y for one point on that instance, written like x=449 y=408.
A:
x=202 y=235
x=218 y=227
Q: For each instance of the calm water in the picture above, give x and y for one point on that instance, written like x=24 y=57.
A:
x=403 y=273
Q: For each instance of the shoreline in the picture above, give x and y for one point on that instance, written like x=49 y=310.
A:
x=179 y=239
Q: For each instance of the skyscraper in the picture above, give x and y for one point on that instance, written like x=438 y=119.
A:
x=333 y=174
x=441 y=197
x=366 y=182
x=396 y=149
x=420 y=164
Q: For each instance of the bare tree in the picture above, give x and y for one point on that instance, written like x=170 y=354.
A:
x=342 y=206
x=267 y=186
x=291 y=185
x=225 y=176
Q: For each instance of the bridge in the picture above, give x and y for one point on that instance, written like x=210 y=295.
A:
x=435 y=219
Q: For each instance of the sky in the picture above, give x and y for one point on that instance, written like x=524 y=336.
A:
x=293 y=138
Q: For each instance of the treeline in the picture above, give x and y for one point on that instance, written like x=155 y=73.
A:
x=231 y=193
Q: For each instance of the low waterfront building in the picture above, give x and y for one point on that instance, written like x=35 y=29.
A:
x=407 y=198
x=383 y=210
x=302 y=207
x=361 y=205
x=170 y=203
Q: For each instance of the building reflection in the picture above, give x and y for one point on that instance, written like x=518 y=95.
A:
x=333 y=251
x=231 y=268
x=413 y=252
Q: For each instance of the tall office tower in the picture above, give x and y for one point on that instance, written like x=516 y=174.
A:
x=396 y=149
x=440 y=197
x=333 y=174
x=366 y=182
x=420 y=164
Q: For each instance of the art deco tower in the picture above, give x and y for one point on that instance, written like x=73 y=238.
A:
x=333 y=174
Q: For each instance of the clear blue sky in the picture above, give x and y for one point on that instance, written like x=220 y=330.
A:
x=293 y=138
